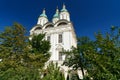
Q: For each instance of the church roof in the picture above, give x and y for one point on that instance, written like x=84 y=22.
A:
x=56 y=15
x=43 y=14
x=64 y=9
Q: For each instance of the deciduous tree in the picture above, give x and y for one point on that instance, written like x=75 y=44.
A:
x=19 y=61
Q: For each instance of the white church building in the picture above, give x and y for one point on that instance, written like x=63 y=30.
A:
x=60 y=32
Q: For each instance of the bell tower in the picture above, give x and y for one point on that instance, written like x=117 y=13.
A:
x=64 y=14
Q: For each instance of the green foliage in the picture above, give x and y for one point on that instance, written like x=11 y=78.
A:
x=76 y=58
x=19 y=61
x=13 y=39
x=115 y=35
x=39 y=44
x=39 y=49
x=53 y=73
x=22 y=59
x=104 y=59
x=19 y=73
x=101 y=58
x=72 y=75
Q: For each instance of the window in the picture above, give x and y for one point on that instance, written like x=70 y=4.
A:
x=62 y=23
x=38 y=28
x=49 y=26
x=60 y=56
x=62 y=16
x=60 y=38
x=48 y=38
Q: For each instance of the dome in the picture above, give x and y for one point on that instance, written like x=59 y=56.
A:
x=43 y=14
x=64 y=9
x=56 y=15
x=64 y=14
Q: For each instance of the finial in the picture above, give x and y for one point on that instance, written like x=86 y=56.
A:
x=64 y=7
x=44 y=11
x=57 y=7
x=43 y=14
x=57 y=10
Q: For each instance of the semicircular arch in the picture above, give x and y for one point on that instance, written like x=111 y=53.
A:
x=48 y=25
x=61 y=22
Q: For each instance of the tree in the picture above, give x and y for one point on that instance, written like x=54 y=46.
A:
x=100 y=57
x=115 y=35
x=76 y=58
x=39 y=50
x=19 y=60
x=12 y=47
x=72 y=75
x=105 y=59
x=53 y=72
x=39 y=44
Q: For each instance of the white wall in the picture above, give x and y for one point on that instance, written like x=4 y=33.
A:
x=68 y=39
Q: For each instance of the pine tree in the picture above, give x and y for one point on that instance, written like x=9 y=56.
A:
x=53 y=72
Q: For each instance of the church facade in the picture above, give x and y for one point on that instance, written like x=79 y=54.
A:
x=60 y=32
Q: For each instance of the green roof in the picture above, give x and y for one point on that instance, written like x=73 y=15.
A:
x=43 y=14
x=56 y=15
x=64 y=9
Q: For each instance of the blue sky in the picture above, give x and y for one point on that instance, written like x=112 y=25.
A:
x=88 y=16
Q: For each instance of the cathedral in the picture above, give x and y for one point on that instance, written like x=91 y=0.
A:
x=59 y=31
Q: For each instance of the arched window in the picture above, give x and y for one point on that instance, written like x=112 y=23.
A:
x=49 y=26
x=38 y=28
x=62 y=23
